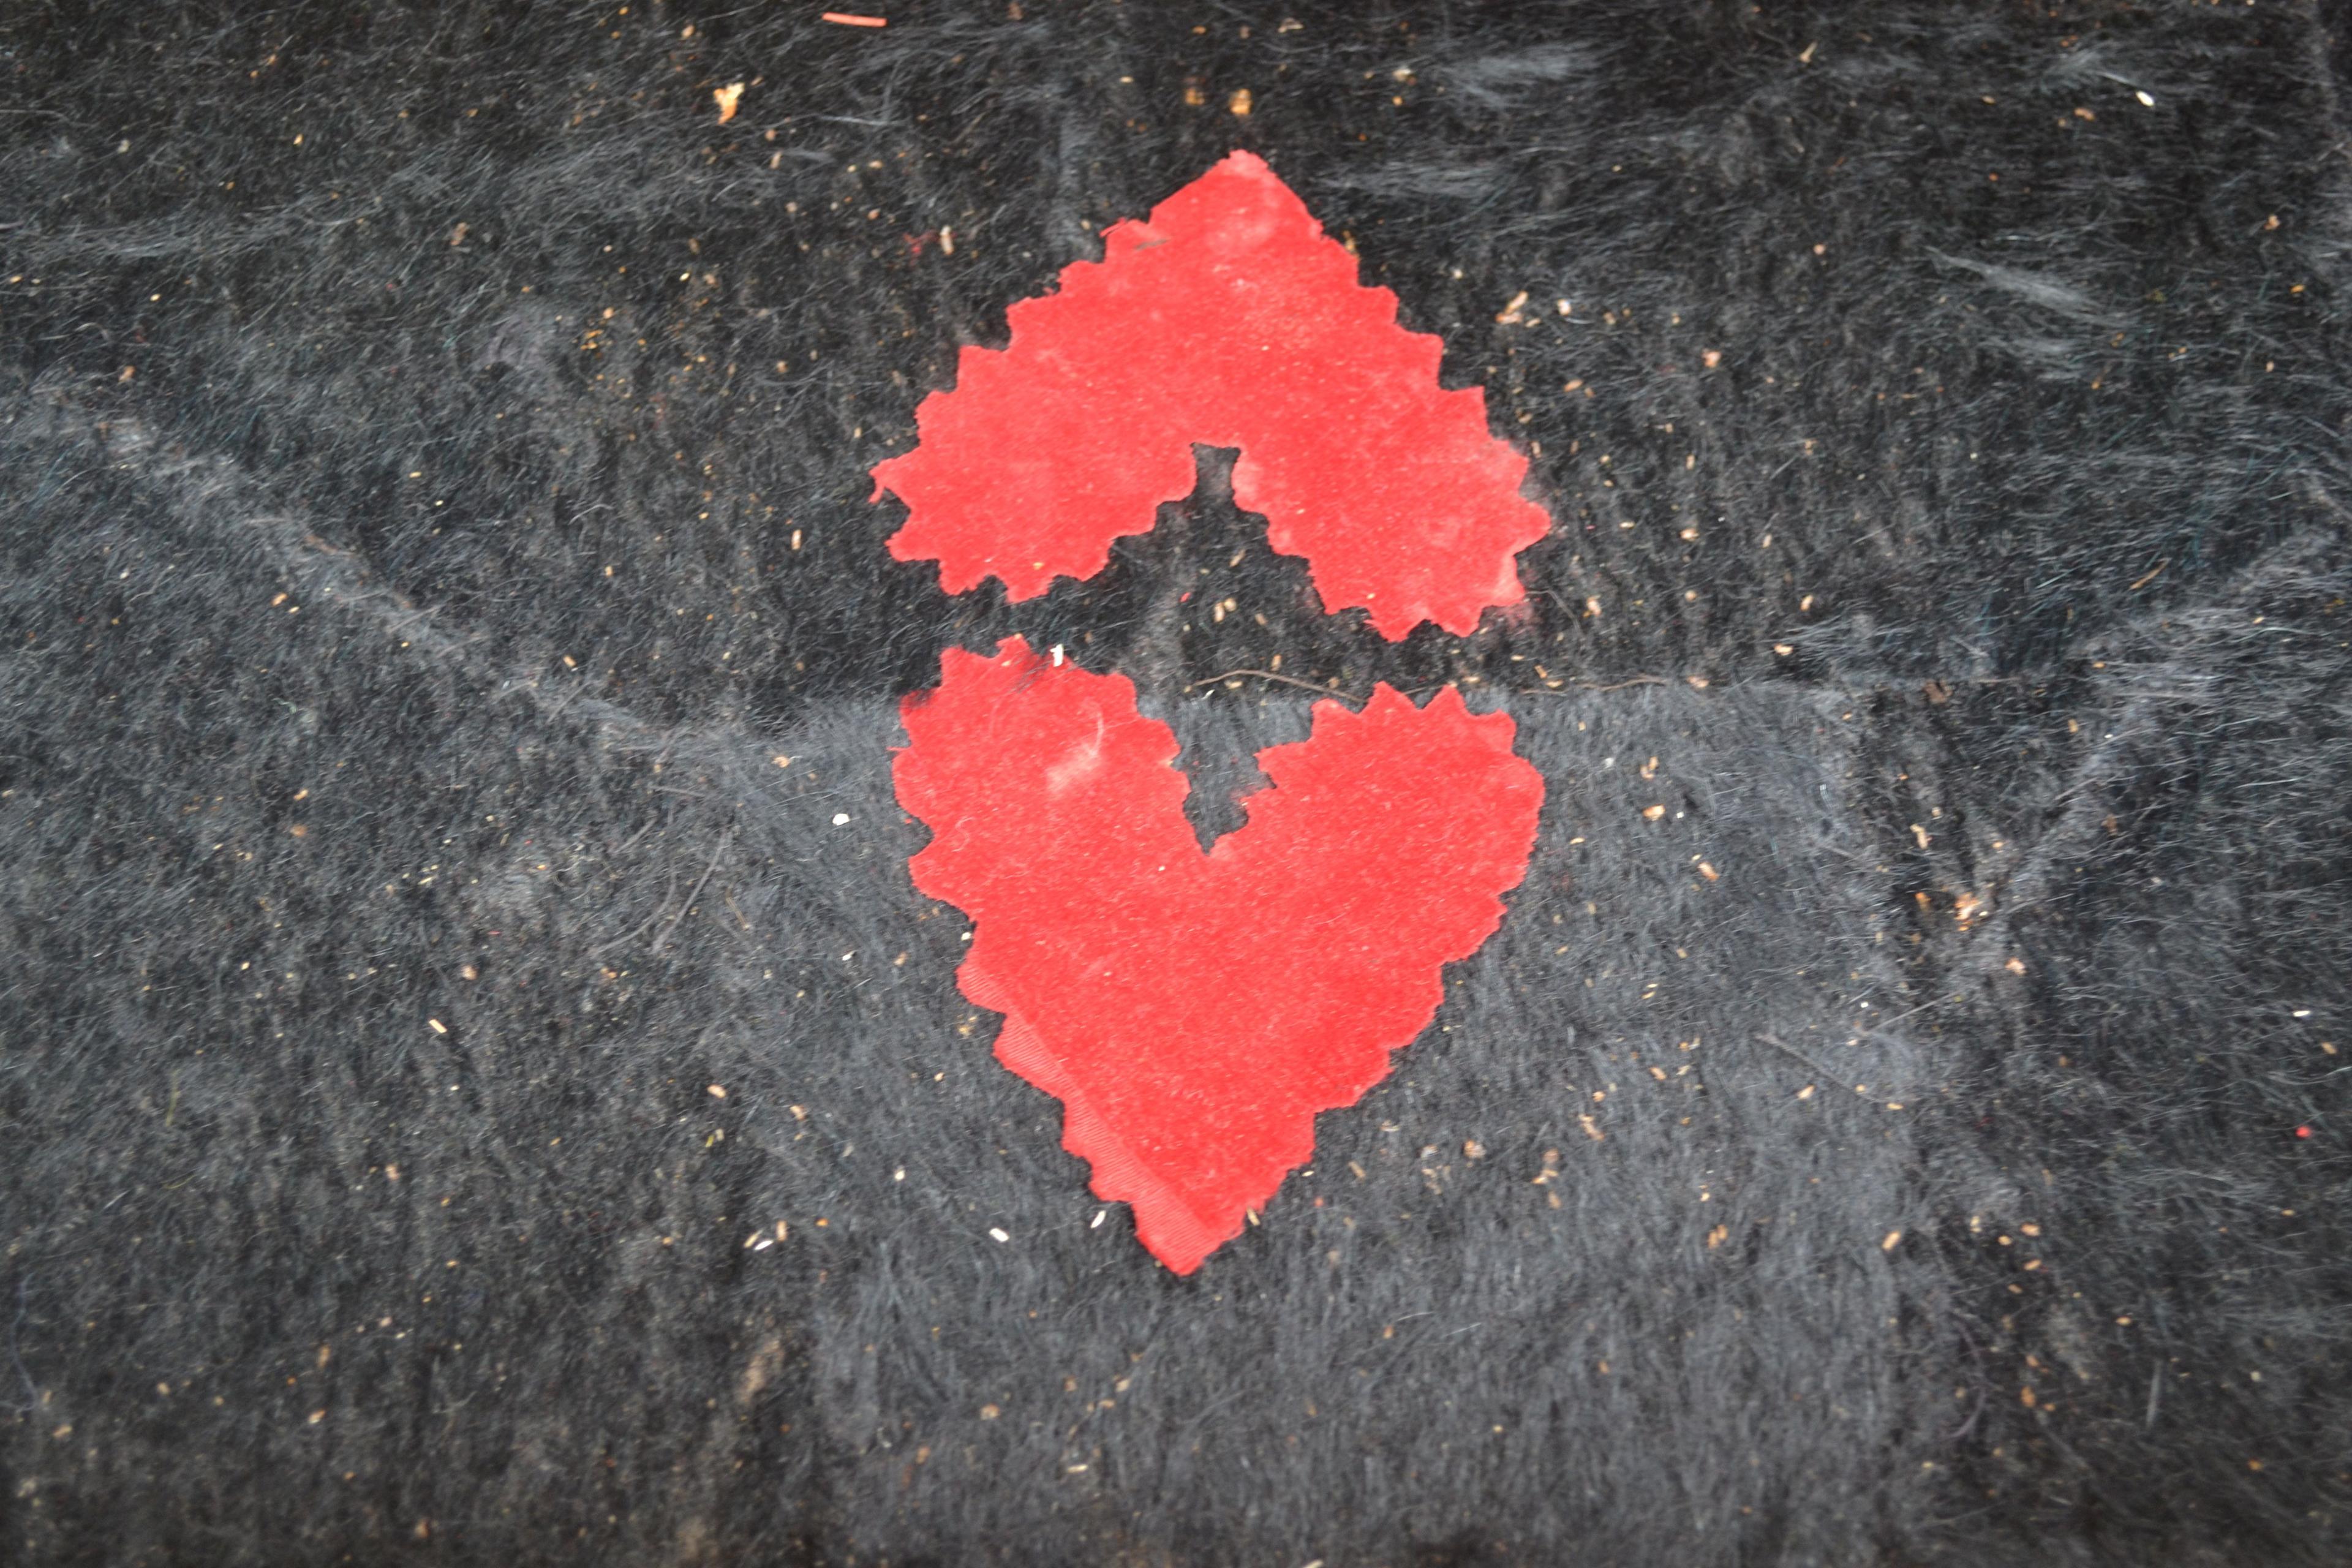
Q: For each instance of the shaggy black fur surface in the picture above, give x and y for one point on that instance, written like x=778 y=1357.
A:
x=434 y=472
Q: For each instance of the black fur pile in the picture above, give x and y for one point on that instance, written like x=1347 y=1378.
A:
x=433 y=485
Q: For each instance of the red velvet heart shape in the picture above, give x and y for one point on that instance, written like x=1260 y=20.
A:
x=1194 y=1012
x=1229 y=320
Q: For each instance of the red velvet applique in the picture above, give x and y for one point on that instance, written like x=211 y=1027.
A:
x=1228 y=320
x=1194 y=1012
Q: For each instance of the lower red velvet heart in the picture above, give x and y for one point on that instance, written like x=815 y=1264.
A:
x=1193 y=1011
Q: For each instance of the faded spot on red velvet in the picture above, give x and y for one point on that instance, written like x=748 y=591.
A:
x=1194 y=1012
x=1228 y=319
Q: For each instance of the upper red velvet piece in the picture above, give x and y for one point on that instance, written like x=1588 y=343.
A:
x=1193 y=1011
x=1228 y=319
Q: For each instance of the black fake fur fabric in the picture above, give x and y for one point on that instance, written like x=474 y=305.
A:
x=433 y=495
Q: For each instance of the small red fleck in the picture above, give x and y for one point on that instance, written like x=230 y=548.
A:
x=2302 y=1132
